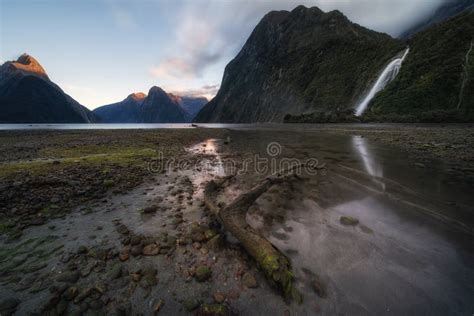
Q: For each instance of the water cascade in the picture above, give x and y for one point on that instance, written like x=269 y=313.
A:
x=387 y=75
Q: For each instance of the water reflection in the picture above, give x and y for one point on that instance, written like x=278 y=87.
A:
x=368 y=158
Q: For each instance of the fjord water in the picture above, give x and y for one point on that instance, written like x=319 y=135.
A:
x=387 y=75
x=409 y=254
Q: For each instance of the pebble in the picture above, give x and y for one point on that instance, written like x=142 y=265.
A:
x=248 y=279
x=202 y=273
x=151 y=250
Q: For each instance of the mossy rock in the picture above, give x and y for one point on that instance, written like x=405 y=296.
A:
x=348 y=221
x=214 y=310
x=203 y=273
x=191 y=304
x=108 y=183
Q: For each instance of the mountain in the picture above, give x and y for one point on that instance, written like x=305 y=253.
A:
x=192 y=105
x=126 y=111
x=436 y=81
x=27 y=95
x=157 y=107
x=447 y=10
x=303 y=61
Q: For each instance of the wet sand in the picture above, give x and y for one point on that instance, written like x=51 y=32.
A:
x=136 y=250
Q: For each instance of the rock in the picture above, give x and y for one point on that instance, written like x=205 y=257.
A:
x=69 y=277
x=61 y=307
x=366 y=229
x=52 y=302
x=233 y=294
x=210 y=233
x=98 y=253
x=108 y=183
x=248 y=279
x=348 y=221
x=135 y=240
x=136 y=250
x=71 y=293
x=135 y=277
x=215 y=243
x=202 y=273
x=101 y=288
x=115 y=271
x=158 y=306
x=198 y=237
x=191 y=304
x=122 y=229
x=8 y=306
x=150 y=210
x=85 y=271
x=219 y=297
x=124 y=254
x=82 y=250
x=148 y=281
x=319 y=288
x=151 y=250
x=82 y=295
x=213 y=310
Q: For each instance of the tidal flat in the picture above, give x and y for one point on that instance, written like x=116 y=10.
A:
x=115 y=221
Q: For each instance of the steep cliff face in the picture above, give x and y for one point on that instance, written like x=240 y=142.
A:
x=298 y=62
x=157 y=107
x=436 y=81
x=27 y=95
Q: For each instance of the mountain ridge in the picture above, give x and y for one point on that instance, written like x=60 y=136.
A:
x=157 y=106
x=27 y=95
x=293 y=62
x=446 y=11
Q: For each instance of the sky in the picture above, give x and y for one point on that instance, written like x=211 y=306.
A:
x=100 y=51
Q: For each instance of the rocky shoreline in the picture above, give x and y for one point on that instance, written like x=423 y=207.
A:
x=96 y=235
x=92 y=225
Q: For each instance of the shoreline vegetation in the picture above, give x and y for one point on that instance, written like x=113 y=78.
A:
x=434 y=116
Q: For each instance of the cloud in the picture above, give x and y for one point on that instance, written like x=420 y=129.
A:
x=173 y=67
x=207 y=91
x=184 y=68
x=212 y=32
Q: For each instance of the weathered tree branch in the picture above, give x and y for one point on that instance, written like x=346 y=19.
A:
x=275 y=265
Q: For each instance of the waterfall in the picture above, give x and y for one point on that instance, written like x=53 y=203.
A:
x=465 y=74
x=387 y=75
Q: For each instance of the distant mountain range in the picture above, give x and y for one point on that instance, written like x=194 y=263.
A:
x=300 y=66
x=27 y=95
x=156 y=107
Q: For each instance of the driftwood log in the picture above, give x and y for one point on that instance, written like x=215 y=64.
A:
x=274 y=264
